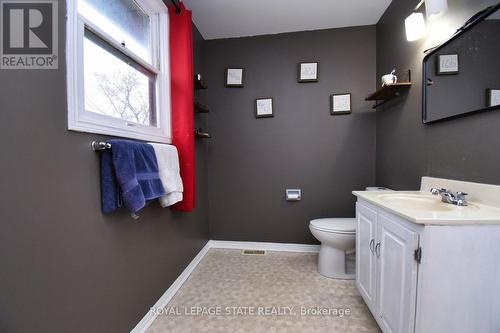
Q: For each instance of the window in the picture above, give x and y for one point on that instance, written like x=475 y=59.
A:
x=118 y=68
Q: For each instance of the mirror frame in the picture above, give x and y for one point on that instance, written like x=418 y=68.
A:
x=473 y=21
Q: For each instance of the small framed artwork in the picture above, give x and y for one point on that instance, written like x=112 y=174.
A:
x=234 y=77
x=447 y=64
x=340 y=104
x=264 y=107
x=308 y=72
x=493 y=97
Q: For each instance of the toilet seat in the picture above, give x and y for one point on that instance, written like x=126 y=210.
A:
x=335 y=225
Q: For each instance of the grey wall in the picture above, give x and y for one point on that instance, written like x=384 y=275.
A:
x=64 y=266
x=464 y=148
x=252 y=161
x=67 y=268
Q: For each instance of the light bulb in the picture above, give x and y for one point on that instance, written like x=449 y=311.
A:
x=415 y=26
x=434 y=8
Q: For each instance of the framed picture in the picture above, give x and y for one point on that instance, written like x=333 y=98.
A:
x=234 y=77
x=340 y=104
x=493 y=97
x=264 y=107
x=447 y=64
x=308 y=72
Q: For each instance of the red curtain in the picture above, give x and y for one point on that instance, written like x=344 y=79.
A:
x=182 y=85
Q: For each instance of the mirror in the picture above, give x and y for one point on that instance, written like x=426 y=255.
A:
x=462 y=75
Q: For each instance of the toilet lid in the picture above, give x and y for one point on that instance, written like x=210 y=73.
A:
x=339 y=225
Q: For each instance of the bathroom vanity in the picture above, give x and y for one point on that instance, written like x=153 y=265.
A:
x=426 y=266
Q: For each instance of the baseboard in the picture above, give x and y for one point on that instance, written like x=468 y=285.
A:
x=148 y=319
x=285 y=247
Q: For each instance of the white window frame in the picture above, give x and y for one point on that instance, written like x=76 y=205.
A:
x=84 y=121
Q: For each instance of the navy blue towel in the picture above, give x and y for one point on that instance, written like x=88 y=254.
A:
x=129 y=173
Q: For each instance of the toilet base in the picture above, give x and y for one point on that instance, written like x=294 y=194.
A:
x=332 y=263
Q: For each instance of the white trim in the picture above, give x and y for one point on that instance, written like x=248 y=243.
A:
x=284 y=247
x=83 y=121
x=117 y=45
x=148 y=319
x=72 y=86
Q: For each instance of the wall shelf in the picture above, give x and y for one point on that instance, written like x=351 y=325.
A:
x=199 y=84
x=201 y=135
x=388 y=92
x=200 y=108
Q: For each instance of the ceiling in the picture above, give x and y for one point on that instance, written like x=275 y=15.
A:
x=237 y=18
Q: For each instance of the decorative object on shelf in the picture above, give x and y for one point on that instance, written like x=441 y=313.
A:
x=493 y=97
x=308 y=72
x=264 y=107
x=200 y=134
x=447 y=64
x=340 y=104
x=198 y=82
x=200 y=108
x=234 y=77
x=389 y=78
x=389 y=91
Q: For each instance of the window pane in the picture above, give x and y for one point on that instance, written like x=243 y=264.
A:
x=123 y=20
x=115 y=85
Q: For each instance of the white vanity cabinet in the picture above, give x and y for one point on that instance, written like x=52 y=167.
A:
x=386 y=268
x=365 y=257
x=396 y=274
x=418 y=278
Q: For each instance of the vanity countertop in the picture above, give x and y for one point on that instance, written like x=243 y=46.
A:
x=423 y=208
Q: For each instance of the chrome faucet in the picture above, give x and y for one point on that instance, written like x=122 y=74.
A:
x=457 y=199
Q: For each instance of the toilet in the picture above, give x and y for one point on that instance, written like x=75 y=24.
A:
x=337 y=236
x=338 y=240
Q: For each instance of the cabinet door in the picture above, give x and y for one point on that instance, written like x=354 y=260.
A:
x=396 y=276
x=365 y=258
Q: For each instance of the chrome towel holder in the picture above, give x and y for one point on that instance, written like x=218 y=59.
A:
x=100 y=145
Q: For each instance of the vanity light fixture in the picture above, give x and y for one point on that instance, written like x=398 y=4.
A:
x=415 y=27
x=434 y=8
x=415 y=23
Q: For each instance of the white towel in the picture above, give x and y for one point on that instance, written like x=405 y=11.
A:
x=168 y=168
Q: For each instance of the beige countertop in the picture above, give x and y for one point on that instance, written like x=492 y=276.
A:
x=424 y=208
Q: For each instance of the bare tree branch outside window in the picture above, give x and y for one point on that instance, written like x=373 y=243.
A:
x=122 y=96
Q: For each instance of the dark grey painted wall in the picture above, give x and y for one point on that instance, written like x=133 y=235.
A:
x=68 y=268
x=252 y=161
x=463 y=149
x=64 y=266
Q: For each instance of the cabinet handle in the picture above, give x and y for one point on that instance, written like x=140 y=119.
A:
x=371 y=245
x=377 y=249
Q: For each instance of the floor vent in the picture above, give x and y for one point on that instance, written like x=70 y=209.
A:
x=253 y=252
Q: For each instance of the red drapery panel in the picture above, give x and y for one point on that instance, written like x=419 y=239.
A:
x=182 y=85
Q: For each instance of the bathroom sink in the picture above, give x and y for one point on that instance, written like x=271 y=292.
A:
x=417 y=202
x=425 y=207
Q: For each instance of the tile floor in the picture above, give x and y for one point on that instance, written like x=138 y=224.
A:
x=276 y=292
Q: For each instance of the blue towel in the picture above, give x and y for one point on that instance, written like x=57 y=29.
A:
x=130 y=176
x=111 y=196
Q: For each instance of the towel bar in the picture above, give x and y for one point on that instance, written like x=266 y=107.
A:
x=100 y=145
